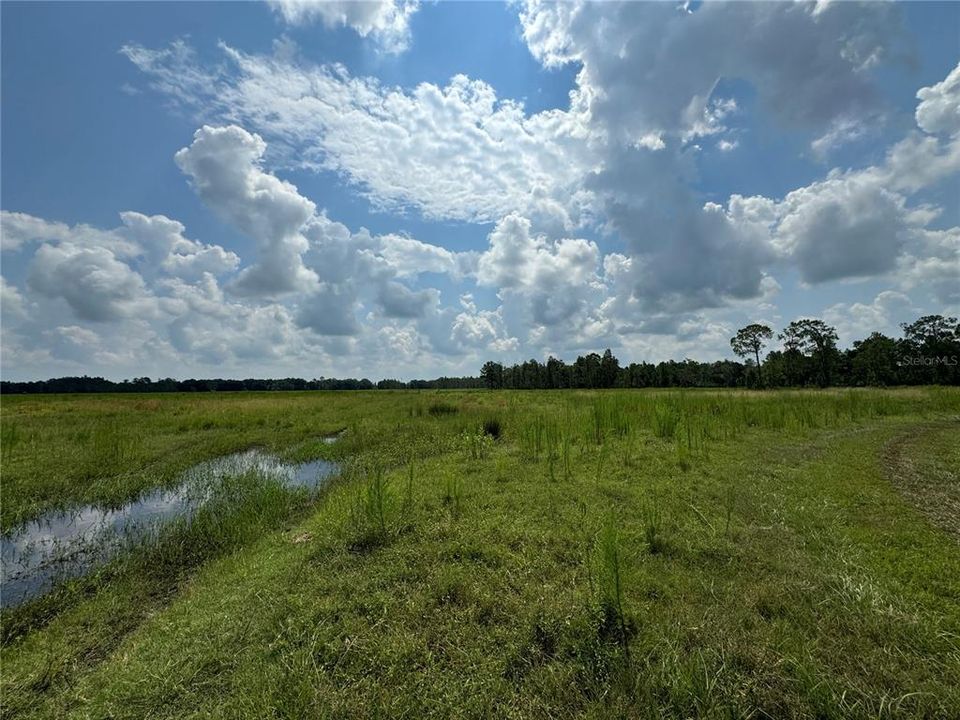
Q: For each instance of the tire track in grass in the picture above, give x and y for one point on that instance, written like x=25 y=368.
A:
x=919 y=465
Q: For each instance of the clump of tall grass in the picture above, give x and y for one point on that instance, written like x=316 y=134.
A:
x=492 y=428
x=598 y=423
x=533 y=438
x=453 y=492
x=683 y=456
x=601 y=456
x=108 y=446
x=440 y=408
x=9 y=439
x=408 y=493
x=665 y=421
x=653 y=528
x=609 y=585
x=729 y=501
x=565 y=456
x=475 y=444
x=376 y=513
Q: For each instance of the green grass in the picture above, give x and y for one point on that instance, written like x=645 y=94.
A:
x=765 y=557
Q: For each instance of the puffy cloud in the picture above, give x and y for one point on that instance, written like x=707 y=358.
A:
x=683 y=254
x=845 y=226
x=398 y=301
x=208 y=328
x=330 y=310
x=11 y=303
x=72 y=342
x=939 y=107
x=155 y=240
x=651 y=82
x=483 y=329
x=224 y=167
x=454 y=152
x=918 y=161
x=164 y=243
x=656 y=70
x=551 y=290
x=933 y=267
x=554 y=278
x=619 y=164
x=358 y=269
x=855 y=321
x=92 y=281
x=650 y=67
x=410 y=257
x=386 y=21
x=519 y=260
x=19 y=229
x=860 y=223
x=173 y=312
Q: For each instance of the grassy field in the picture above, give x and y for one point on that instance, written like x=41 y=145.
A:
x=525 y=554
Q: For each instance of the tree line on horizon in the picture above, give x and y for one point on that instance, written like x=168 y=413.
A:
x=928 y=353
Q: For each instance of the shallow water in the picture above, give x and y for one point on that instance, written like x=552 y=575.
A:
x=69 y=543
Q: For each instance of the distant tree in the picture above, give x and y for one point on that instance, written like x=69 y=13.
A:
x=586 y=371
x=751 y=340
x=932 y=343
x=931 y=330
x=492 y=375
x=874 y=361
x=814 y=338
x=609 y=367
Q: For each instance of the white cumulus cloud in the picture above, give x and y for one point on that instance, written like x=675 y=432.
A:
x=385 y=21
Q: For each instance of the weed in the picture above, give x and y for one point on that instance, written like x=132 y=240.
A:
x=453 y=491
x=683 y=457
x=475 y=445
x=653 y=528
x=601 y=454
x=373 y=516
x=609 y=586
x=729 y=500
x=665 y=421
x=439 y=409
x=9 y=439
x=492 y=428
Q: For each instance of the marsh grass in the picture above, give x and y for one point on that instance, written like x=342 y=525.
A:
x=240 y=509
x=783 y=529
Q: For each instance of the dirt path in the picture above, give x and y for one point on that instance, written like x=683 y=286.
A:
x=923 y=463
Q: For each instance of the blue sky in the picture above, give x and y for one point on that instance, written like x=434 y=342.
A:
x=402 y=190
